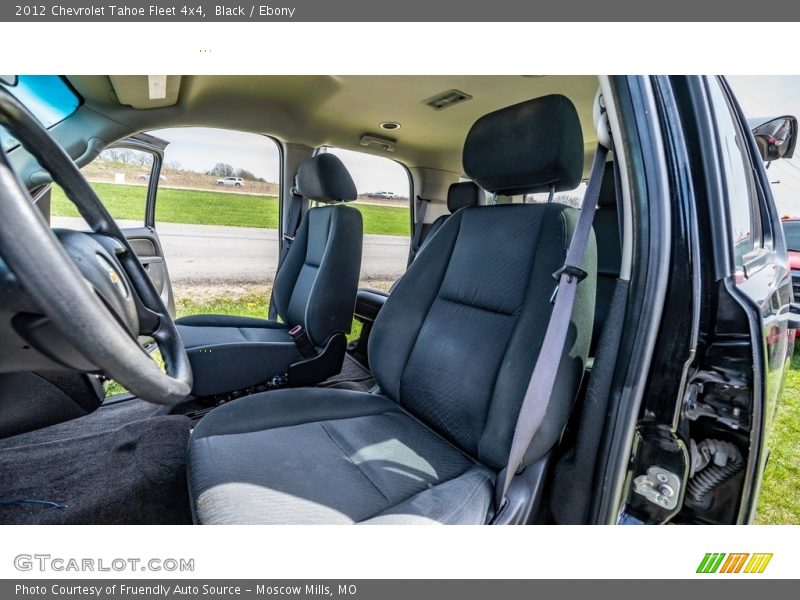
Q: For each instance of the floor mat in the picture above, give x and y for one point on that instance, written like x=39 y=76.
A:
x=107 y=417
x=353 y=376
x=132 y=474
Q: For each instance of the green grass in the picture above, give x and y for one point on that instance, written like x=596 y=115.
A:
x=201 y=207
x=384 y=220
x=249 y=305
x=779 y=502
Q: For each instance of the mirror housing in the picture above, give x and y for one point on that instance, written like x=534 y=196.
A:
x=775 y=137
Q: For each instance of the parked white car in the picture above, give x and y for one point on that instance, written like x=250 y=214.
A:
x=235 y=181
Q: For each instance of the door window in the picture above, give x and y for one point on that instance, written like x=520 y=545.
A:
x=383 y=199
x=216 y=213
x=120 y=176
x=742 y=200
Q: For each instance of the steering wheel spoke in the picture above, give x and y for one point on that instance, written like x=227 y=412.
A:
x=102 y=320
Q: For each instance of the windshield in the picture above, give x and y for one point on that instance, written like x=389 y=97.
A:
x=792 y=231
x=48 y=97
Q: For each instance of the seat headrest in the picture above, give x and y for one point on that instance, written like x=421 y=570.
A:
x=325 y=179
x=608 y=192
x=526 y=148
x=463 y=195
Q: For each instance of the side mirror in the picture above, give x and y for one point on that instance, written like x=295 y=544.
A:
x=775 y=138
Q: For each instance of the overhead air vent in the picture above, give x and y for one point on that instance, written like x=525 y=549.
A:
x=447 y=99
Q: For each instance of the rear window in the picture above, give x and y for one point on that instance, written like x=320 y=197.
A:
x=48 y=97
x=792 y=231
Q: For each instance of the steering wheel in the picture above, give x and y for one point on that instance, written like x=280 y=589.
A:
x=91 y=286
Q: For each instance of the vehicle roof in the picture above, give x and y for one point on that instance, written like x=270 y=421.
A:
x=319 y=110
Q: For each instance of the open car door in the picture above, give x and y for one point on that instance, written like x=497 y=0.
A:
x=125 y=175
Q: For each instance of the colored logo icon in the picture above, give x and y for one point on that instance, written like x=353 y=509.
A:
x=743 y=562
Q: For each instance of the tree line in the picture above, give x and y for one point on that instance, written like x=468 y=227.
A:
x=138 y=158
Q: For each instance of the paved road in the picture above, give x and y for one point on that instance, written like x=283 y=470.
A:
x=199 y=254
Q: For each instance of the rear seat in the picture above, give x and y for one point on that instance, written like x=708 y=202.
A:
x=459 y=195
x=609 y=251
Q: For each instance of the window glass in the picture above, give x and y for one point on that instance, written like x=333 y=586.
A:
x=120 y=177
x=48 y=97
x=742 y=201
x=217 y=219
x=572 y=198
x=383 y=199
x=791 y=229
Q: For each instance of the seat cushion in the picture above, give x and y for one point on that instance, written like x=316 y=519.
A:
x=229 y=353
x=457 y=340
x=320 y=456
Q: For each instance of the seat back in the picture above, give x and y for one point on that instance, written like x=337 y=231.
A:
x=459 y=195
x=317 y=282
x=609 y=250
x=457 y=340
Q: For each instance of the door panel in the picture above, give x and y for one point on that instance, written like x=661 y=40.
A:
x=144 y=239
x=147 y=246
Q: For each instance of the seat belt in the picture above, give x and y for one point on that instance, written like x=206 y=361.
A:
x=416 y=241
x=542 y=381
x=292 y=225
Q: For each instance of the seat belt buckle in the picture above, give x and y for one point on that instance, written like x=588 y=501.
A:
x=302 y=341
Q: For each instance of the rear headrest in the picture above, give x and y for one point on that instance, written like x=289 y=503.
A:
x=324 y=178
x=526 y=148
x=608 y=193
x=463 y=195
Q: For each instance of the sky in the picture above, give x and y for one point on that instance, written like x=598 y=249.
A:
x=200 y=148
x=768 y=96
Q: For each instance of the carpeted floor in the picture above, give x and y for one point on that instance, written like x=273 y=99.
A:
x=353 y=376
x=99 y=471
x=123 y=464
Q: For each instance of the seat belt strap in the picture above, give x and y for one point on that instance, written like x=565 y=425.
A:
x=292 y=225
x=416 y=241
x=543 y=378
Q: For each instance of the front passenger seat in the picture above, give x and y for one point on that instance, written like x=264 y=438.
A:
x=314 y=288
x=453 y=351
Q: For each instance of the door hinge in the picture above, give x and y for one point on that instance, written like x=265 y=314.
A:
x=659 y=486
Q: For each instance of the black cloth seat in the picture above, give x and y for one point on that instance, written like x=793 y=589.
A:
x=315 y=287
x=330 y=456
x=459 y=195
x=452 y=352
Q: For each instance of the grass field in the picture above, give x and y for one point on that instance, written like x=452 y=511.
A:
x=200 y=207
x=779 y=503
